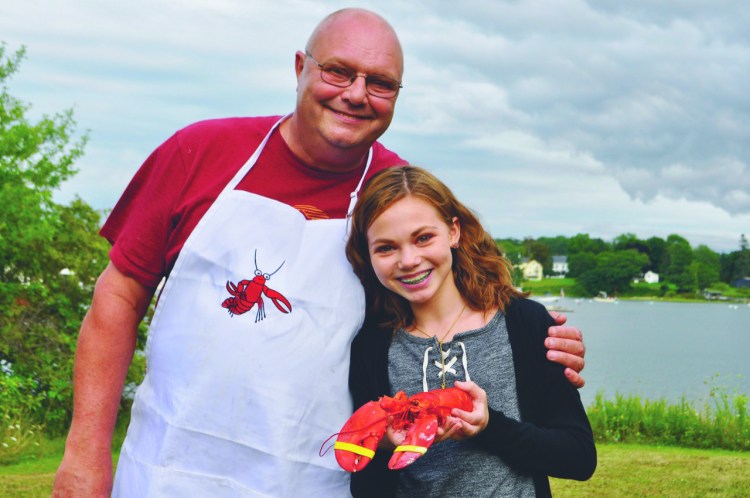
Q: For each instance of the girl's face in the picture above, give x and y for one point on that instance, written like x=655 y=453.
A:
x=410 y=250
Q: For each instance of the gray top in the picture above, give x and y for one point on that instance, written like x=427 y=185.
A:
x=459 y=468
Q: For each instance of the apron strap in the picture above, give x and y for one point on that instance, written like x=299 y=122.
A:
x=353 y=195
x=251 y=162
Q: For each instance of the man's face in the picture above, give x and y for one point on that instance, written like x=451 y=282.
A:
x=332 y=119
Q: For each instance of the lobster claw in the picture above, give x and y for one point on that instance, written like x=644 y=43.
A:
x=277 y=297
x=359 y=437
x=419 y=437
x=431 y=409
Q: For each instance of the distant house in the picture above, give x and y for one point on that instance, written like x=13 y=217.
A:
x=560 y=266
x=531 y=269
x=651 y=278
x=743 y=282
x=712 y=295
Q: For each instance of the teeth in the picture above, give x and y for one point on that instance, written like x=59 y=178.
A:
x=416 y=280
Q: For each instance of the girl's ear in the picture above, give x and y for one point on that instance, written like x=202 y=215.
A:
x=455 y=232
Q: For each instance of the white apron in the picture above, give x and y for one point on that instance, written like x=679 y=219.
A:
x=237 y=404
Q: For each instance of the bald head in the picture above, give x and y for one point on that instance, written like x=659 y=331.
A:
x=382 y=34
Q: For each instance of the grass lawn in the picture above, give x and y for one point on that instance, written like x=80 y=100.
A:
x=623 y=471
x=630 y=471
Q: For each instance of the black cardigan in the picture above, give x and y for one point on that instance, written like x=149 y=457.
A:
x=553 y=438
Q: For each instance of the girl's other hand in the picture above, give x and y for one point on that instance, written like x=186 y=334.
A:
x=462 y=424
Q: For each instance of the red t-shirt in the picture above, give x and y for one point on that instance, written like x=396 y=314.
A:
x=180 y=180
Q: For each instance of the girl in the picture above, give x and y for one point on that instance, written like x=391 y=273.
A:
x=442 y=310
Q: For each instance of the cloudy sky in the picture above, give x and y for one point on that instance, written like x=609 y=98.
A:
x=547 y=117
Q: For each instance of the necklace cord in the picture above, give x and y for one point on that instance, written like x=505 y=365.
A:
x=440 y=341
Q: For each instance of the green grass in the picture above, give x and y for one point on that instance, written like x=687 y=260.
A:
x=624 y=471
x=688 y=453
x=552 y=286
x=629 y=470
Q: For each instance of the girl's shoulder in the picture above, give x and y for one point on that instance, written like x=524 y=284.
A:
x=523 y=307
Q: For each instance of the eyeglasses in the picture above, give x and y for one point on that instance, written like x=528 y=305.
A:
x=343 y=77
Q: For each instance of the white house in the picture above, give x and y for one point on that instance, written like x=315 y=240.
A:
x=560 y=266
x=532 y=269
x=650 y=277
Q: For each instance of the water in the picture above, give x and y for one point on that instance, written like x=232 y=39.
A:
x=663 y=350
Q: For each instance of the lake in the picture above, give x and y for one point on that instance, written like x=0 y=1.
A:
x=663 y=350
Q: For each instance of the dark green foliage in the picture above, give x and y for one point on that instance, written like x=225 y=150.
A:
x=613 y=272
x=581 y=262
x=51 y=255
x=679 y=257
x=657 y=249
x=511 y=249
x=584 y=243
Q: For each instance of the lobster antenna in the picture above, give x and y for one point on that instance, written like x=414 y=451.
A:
x=277 y=269
x=256 y=263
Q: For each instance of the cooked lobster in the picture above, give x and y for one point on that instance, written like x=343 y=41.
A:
x=418 y=415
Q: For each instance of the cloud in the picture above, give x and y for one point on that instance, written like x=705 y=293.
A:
x=559 y=107
x=635 y=88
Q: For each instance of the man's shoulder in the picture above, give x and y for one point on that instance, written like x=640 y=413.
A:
x=383 y=154
x=383 y=158
x=230 y=127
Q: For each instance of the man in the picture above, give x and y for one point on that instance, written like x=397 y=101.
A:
x=248 y=351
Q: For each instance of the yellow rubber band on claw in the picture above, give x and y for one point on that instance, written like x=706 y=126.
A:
x=412 y=448
x=354 y=448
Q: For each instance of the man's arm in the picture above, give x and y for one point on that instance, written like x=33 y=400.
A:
x=105 y=349
x=566 y=347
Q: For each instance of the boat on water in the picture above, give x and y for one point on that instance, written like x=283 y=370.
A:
x=604 y=298
x=553 y=303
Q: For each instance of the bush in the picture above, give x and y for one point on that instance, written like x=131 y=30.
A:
x=18 y=438
x=629 y=419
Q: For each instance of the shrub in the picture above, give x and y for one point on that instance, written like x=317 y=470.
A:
x=724 y=424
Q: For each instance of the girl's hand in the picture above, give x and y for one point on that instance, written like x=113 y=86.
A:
x=462 y=424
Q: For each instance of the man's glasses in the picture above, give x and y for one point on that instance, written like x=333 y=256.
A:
x=342 y=77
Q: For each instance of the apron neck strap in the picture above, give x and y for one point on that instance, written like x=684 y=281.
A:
x=355 y=193
x=251 y=162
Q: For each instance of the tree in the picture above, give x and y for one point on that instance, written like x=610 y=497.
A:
x=657 y=249
x=580 y=262
x=539 y=252
x=706 y=267
x=583 y=243
x=557 y=245
x=629 y=241
x=511 y=248
x=51 y=254
x=679 y=256
x=613 y=272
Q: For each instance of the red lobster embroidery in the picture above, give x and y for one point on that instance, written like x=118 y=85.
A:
x=246 y=293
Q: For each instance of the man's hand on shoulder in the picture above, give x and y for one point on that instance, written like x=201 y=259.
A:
x=566 y=347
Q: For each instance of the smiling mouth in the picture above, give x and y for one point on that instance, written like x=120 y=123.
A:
x=347 y=115
x=417 y=279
